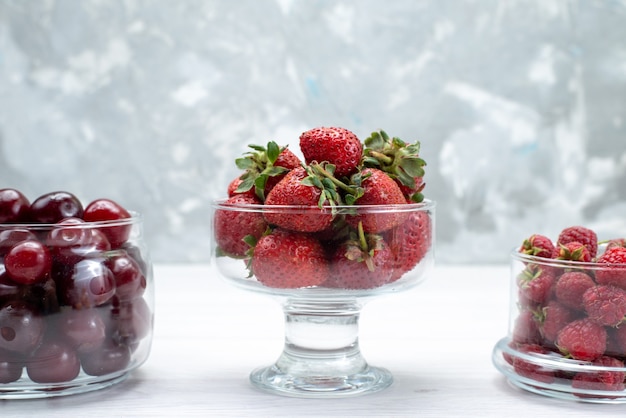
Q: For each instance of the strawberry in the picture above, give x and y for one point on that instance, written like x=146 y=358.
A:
x=361 y=262
x=263 y=168
x=287 y=259
x=605 y=304
x=400 y=160
x=536 y=283
x=571 y=286
x=534 y=371
x=377 y=189
x=291 y=190
x=609 y=376
x=613 y=263
x=572 y=251
x=538 y=246
x=337 y=146
x=582 y=339
x=554 y=317
x=580 y=234
x=233 y=228
x=409 y=242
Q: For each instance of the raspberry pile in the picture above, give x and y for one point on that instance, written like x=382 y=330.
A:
x=331 y=240
x=72 y=282
x=572 y=304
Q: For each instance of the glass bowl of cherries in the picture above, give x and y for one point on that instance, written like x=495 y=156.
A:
x=324 y=236
x=76 y=294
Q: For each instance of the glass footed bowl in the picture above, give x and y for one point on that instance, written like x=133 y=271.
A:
x=320 y=290
x=555 y=347
x=85 y=321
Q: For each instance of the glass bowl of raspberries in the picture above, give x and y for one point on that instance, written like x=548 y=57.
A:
x=324 y=234
x=567 y=336
x=76 y=294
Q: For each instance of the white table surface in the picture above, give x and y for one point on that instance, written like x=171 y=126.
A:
x=436 y=340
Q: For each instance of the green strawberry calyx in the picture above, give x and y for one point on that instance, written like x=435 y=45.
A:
x=258 y=166
x=399 y=159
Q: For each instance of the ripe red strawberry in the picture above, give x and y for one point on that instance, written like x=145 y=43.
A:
x=231 y=227
x=409 y=242
x=572 y=251
x=611 y=378
x=401 y=161
x=605 y=304
x=263 y=168
x=286 y=259
x=613 y=271
x=337 y=146
x=292 y=191
x=534 y=371
x=582 y=339
x=536 y=283
x=378 y=189
x=571 y=286
x=362 y=262
x=234 y=185
x=581 y=234
x=554 y=317
x=537 y=245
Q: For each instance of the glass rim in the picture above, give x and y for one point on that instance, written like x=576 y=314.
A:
x=135 y=217
x=552 y=262
x=425 y=205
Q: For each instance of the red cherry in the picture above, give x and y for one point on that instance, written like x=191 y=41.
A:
x=52 y=207
x=14 y=206
x=108 y=210
x=28 y=262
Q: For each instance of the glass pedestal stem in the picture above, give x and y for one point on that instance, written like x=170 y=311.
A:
x=321 y=355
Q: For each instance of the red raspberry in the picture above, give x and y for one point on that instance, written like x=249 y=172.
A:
x=616 y=242
x=555 y=317
x=615 y=271
x=605 y=304
x=570 y=287
x=537 y=245
x=531 y=370
x=536 y=283
x=572 y=251
x=526 y=328
x=600 y=380
x=585 y=236
x=582 y=339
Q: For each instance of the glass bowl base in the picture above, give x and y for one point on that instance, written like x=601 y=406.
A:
x=34 y=391
x=273 y=379
x=557 y=377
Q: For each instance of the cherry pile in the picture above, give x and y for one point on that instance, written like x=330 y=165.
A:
x=71 y=288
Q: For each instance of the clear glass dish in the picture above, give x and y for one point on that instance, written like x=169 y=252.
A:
x=87 y=322
x=556 y=347
x=321 y=355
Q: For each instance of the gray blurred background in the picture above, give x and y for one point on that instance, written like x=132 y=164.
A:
x=520 y=106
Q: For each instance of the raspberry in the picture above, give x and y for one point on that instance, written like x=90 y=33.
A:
x=600 y=380
x=525 y=328
x=582 y=339
x=531 y=370
x=536 y=283
x=537 y=245
x=570 y=287
x=605 y=304
x=585 y=236
x=614 y=271
x=555 y=317
x=572 y=251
